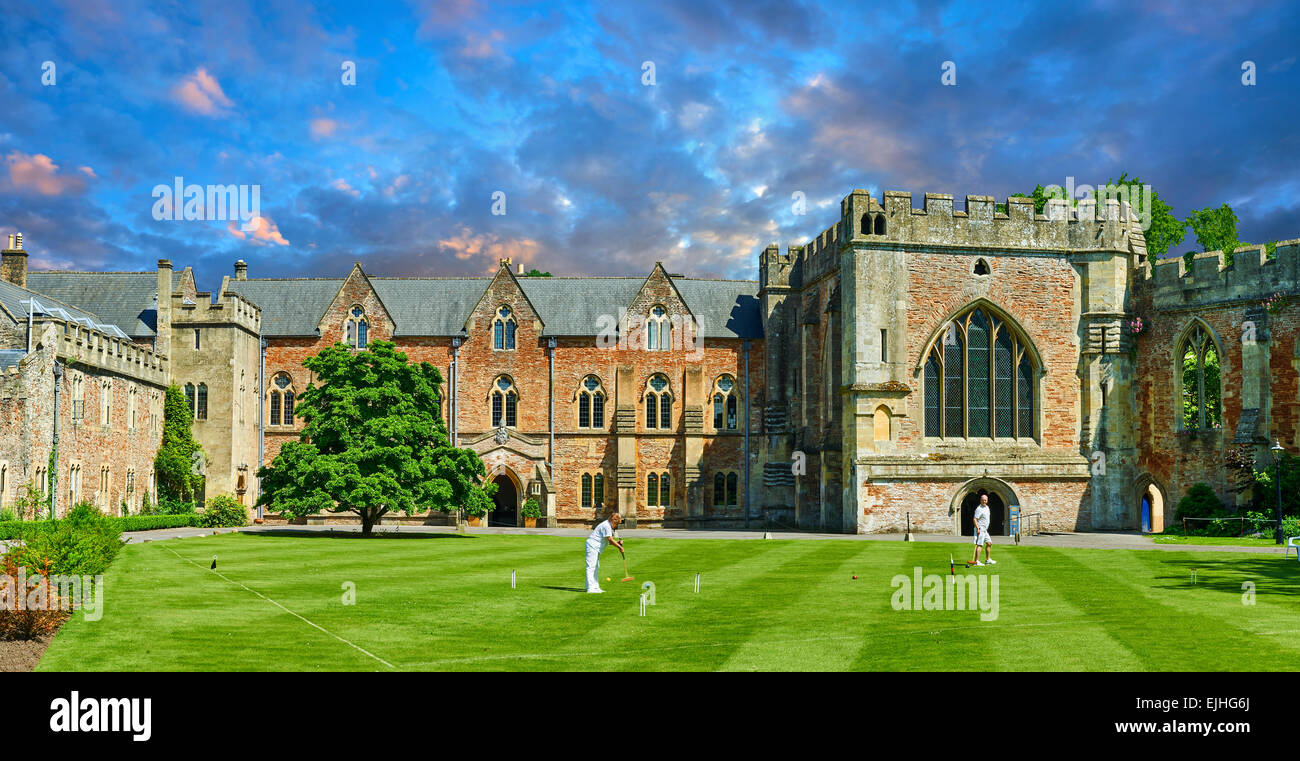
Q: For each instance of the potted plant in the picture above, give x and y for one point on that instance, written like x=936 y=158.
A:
x=475 y=519
x=531 y=512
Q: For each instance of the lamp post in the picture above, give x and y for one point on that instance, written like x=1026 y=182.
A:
x=1277 y=476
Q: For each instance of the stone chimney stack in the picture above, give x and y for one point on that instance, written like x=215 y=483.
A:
x=163 y=325
x=241 y=270
x=13 y=262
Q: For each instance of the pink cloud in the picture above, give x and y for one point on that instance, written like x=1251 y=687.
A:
x=490 y=247
x=323 y=127
x=265 y=232
x=38 y=172
x=201 y=92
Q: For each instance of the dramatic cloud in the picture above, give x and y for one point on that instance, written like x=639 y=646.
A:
x=40 y=174
x=601 y=137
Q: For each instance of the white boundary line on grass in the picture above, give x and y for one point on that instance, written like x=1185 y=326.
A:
x=281 y=607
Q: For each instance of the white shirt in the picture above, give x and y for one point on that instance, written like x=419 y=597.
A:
x=982 y=516
x=600 y=536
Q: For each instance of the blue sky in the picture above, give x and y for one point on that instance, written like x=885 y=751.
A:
x=603 y=174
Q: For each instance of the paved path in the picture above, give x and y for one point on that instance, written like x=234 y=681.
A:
x=1095 y=541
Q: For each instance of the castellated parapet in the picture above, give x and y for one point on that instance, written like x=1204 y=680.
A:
x=1210 y=280
x=79 y=345
x=230 y=309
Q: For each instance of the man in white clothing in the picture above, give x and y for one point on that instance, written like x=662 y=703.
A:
x=602 y=534
x=981 y=519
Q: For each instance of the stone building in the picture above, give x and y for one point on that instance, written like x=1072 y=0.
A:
x=920 y=356
x=881 y=376
x=80 y=403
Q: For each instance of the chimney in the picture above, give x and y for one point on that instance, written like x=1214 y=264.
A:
x=163 y=323
x=241 y=270
x=13 y=262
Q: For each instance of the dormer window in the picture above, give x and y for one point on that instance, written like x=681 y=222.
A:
x=503 y=329
x=356 y=328
x=659 y=331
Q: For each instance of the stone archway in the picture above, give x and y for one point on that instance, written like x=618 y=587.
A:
x=1001 y=500
x=506 y=500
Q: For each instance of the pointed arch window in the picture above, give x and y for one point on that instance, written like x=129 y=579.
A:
x=201 y=402
x=979 y=380
x=357 y=327
x=282 y=400
x=724 y=404
x=591 y=403
x=658 y=403
x=504 y=403
x=503 y=329
x=659 y=330
x=1201 y=382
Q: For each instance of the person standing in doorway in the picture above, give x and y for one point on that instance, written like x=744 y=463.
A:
x=981 y=520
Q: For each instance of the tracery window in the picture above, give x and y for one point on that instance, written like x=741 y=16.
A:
x=979 y=380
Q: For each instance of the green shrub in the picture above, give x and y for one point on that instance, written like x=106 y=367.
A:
x=83 y=544
x=223 y=510
x=169 y=506
x=1200 y=502
x=7 y=516
x=151 y=522
x=532 y=509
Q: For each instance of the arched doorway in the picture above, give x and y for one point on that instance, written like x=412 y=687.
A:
x=997 y=510
x=1150 y=506
x=506 y=512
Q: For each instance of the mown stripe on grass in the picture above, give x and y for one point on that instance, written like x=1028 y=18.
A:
x=1270 y=623
x=1079 y=642
x=1162 y=635
x=612 y=635
x=831 y=604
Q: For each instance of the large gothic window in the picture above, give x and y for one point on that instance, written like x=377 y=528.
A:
x=979 y=380
x=1199 y=354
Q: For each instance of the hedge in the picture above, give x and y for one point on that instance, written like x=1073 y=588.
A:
x=17 y=529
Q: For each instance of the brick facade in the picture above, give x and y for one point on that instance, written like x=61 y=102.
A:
x=826 y=357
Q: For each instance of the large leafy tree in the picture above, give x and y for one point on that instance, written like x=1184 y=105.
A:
x=180 y=460
x=373 y=443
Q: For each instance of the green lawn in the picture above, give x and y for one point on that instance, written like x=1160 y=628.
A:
x=445 y=602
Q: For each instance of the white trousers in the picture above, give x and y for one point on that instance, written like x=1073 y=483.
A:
x=593 y=567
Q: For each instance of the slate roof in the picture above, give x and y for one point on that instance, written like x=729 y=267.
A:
x=125 y=299
x=12 y=298
x=569 y=306
x=11 y=357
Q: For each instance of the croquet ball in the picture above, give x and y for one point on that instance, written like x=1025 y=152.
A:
x=606 y=578
x=855 y=577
